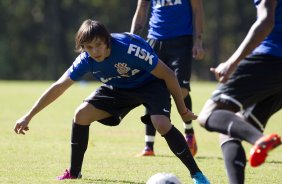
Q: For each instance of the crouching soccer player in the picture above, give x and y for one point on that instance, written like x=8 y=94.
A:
x=132 y=75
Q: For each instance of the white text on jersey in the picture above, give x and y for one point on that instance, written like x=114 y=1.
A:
x=130 y=73
x=140 y=53
x=162 y=3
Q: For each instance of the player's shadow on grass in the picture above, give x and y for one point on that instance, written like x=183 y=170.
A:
x=217 y=158
x=89 y=180
x=197 y=157
x=220 y=158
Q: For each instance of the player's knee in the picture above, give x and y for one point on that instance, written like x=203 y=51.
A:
x=207 y=110
x=77 y=115
x=202 y=118
x=161 y=123
x=81 y=117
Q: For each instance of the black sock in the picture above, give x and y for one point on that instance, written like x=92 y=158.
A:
x=179 y=147
x=235 y=161
x=79 y=142
x=150 y=131
x=229 y=123
x=188 y=103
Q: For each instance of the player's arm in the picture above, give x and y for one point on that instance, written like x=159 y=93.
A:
x=257 y=33
x=140 y=17
x=50 y=95
x=198 y=22
x=259 y=30
x=163 y=72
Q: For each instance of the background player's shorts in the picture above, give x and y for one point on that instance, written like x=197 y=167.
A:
x=117 y=101
x=256 y=79
x=259 y=114
x=176 y=53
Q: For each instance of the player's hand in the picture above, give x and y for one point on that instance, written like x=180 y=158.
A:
x=223 y=71
x=21 y=126
x=188 y=115
x=198 y=52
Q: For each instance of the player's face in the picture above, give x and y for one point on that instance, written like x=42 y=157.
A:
x=97 y=49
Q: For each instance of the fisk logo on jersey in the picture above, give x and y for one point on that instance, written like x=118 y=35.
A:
x=140 y=53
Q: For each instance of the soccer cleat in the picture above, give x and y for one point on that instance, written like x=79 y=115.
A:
x=146 y=152
x=67 y=176
x=199 y=178
x=192 y=144
x=262 y=146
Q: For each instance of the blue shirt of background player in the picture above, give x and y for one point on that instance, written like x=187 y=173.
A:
x=272 y=44
x=128 y=66
x=170 y=19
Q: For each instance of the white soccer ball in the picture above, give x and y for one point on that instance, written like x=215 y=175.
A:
x=163 y=178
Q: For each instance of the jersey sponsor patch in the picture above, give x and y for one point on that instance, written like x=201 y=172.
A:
x=140 y=53
x=162 y=3
x=123 y=71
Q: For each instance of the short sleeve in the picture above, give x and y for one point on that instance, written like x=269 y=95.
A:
x=79 y=67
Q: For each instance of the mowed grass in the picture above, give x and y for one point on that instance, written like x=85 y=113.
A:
x=44 y=152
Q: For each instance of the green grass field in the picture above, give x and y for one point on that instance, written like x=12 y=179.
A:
x=44 y=152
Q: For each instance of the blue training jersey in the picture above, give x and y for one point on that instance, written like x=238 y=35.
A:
x=170 y=18
x=129 y=65
x=272 y=44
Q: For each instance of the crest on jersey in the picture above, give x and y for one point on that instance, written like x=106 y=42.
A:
x=122 y=69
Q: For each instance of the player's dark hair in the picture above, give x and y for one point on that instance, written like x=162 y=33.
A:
x=89 y=31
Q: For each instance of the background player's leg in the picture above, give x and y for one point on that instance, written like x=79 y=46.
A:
x=226 y=122
x=234 y=159
x=150 y=133
x=188 y=129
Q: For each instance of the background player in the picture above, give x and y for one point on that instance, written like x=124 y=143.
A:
x=175 y=33
x=248 y=79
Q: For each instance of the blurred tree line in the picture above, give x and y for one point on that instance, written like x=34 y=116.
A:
x=37 y=36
